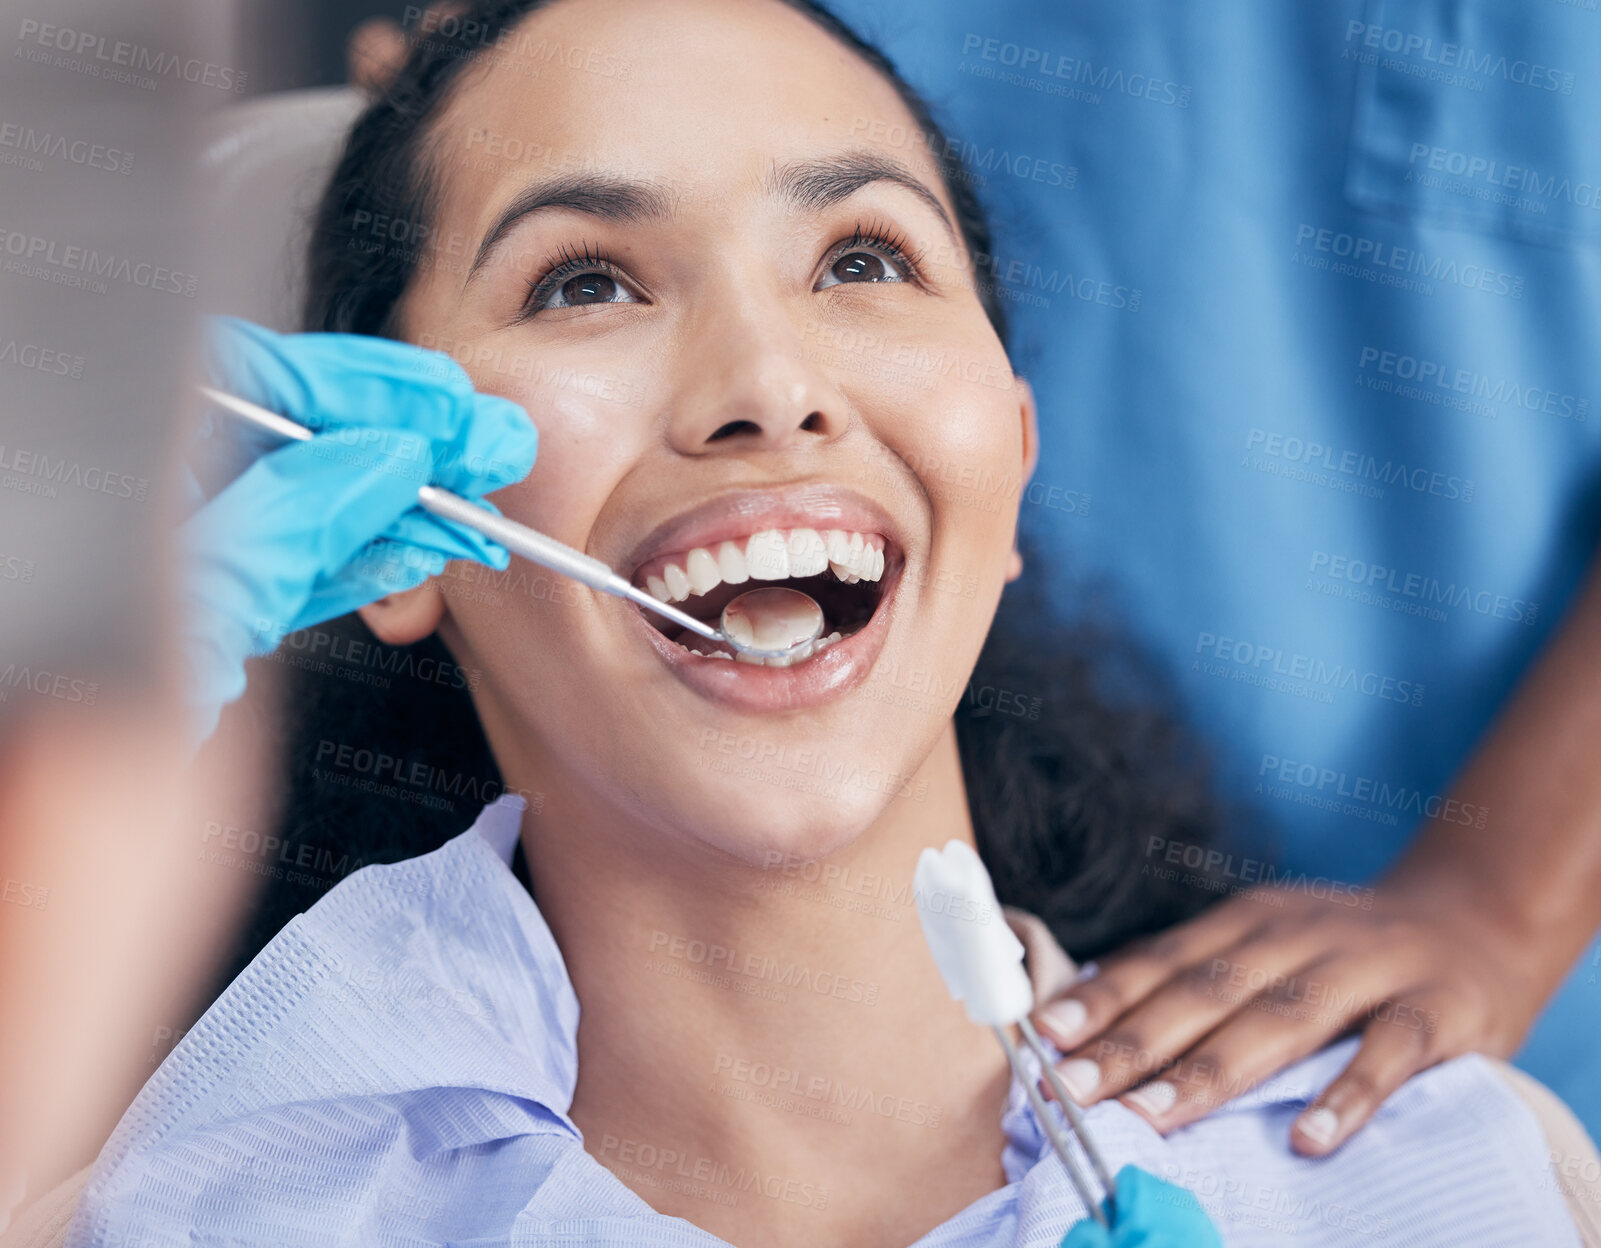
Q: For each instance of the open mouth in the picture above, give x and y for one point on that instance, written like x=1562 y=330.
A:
x=842 y=570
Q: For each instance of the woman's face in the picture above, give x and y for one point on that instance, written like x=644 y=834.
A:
x=702 y=244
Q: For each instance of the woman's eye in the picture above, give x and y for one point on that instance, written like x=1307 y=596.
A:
x=579 y=290
x=861 y=266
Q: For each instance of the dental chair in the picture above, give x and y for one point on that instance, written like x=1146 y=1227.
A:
x=262 y=168
x=264 y=164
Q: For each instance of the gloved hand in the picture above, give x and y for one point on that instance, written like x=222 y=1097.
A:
x=1150 y=1214
x=312 y=530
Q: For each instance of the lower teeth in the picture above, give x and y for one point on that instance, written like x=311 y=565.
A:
x=794 y=656
x=788 y=660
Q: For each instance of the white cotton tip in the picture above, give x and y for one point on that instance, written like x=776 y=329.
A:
x=977 y=953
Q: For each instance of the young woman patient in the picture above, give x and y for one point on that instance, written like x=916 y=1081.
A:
x=714 y=249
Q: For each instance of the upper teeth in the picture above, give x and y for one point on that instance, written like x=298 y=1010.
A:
x=771 y=555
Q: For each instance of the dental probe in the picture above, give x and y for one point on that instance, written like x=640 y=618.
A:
x=981 y=960
x=547 y=552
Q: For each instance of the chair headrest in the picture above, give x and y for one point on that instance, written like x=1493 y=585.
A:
x=264 y=164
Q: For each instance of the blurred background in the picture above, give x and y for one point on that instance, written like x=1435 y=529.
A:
x=301 y=43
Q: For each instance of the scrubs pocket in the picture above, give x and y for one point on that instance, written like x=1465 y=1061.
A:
x=1480 y=115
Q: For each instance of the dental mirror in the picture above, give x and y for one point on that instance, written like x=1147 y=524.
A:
x=773 y=621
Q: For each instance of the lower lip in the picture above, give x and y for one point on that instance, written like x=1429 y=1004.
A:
x=761 y=690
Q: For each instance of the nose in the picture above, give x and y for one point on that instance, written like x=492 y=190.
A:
x=748 y=384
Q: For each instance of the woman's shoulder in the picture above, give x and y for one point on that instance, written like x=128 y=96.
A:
x=1455 y=1156
x=418 y=1009
x=1466 y=1146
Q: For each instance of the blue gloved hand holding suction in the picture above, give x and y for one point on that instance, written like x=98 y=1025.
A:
x=1150 y=1214
x=315 y=529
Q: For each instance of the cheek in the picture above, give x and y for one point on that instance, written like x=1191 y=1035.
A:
x=593 y=429
x=589 y=441
x=941 y=399
x=977 y=453
x=964 y=443
x=590 y=407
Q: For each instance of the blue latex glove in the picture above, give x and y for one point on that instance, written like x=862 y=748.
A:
x=1150 y=1214
x=312 y=530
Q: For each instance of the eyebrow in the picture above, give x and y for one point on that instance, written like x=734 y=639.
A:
x=610 y=199
x=815 y=185
x=808 y=186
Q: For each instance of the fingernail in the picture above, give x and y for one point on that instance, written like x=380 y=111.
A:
x=1065 y=1018
x=1081 y=1076
x=1154 y=1098
x=1320 y=1125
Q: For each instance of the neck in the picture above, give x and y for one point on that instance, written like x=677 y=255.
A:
x=787 y=1022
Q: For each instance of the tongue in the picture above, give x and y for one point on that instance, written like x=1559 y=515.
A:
x=773 y=618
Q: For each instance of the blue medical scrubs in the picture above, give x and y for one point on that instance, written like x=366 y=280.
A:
x=1310 y=295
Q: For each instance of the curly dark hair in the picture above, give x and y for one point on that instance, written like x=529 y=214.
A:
x=1067 y=783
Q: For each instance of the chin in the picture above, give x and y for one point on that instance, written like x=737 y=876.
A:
x=771 y=815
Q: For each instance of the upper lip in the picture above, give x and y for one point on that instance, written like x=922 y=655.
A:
x=739 y=513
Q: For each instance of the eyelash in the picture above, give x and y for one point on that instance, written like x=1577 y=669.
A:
x=892 y=243
x=567 y=262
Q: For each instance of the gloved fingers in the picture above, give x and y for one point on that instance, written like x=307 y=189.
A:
x=1155 y=1214
x=393 y=567
x=294 y=539
x=494 y=447
x=257 y=549
x=329 y=381
x=414 y=548
x=253 y=362
x=323 y=380
x=381 y=569
x=323 y=500
x=217 y=458
x=417 y=528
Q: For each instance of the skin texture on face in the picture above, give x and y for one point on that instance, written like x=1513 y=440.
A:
x=731 y=350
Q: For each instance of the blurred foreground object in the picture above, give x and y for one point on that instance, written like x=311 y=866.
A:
x=109 y=910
